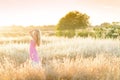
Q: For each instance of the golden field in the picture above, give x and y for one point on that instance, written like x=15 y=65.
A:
x=62 y=58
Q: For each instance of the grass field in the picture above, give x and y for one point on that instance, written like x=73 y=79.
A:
x=62 y=59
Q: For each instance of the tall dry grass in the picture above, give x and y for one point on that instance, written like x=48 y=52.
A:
x=62 y=59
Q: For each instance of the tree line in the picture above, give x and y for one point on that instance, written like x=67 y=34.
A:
x=76 y=23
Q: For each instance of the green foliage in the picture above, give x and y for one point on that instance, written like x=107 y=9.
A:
x=66 y=33
x=99 y=32
x=86 y=33
x=70 y=22
x=108 y=31
x=112 y=33
x=59 y=33
x=83 y=33
x=105 y=24
x=73 y=20
x=105 y=30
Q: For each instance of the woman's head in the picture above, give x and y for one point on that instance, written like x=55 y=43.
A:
x=36 y=37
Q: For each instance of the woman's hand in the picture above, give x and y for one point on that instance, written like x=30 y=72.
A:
x=31 y=33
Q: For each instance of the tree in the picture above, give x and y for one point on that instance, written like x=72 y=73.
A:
x=73 y=20
x=105 y=24
x=116 y=23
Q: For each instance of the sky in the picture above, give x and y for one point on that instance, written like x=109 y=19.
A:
x=49 y=12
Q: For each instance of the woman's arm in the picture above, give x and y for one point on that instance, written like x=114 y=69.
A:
x=31 y=33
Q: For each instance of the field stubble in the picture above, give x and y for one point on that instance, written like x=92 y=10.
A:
x=62 y=59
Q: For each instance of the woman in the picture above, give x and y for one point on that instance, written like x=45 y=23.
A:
x=35 y=34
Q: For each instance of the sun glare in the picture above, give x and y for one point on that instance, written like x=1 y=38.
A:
x=30 y=19
x=45 y=12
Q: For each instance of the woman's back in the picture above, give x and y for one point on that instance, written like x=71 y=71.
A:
x=33 y=52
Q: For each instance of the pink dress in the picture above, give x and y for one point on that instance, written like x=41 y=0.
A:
x=33 y=52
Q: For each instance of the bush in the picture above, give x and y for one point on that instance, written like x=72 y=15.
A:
x=59 y=33
x=85 y=33
x=66 y=33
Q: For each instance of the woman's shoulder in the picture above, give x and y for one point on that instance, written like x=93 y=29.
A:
x=32 y=41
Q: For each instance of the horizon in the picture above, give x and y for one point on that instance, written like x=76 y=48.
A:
x=49 y=12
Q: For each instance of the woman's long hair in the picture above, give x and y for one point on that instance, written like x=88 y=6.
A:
x=37 y=37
